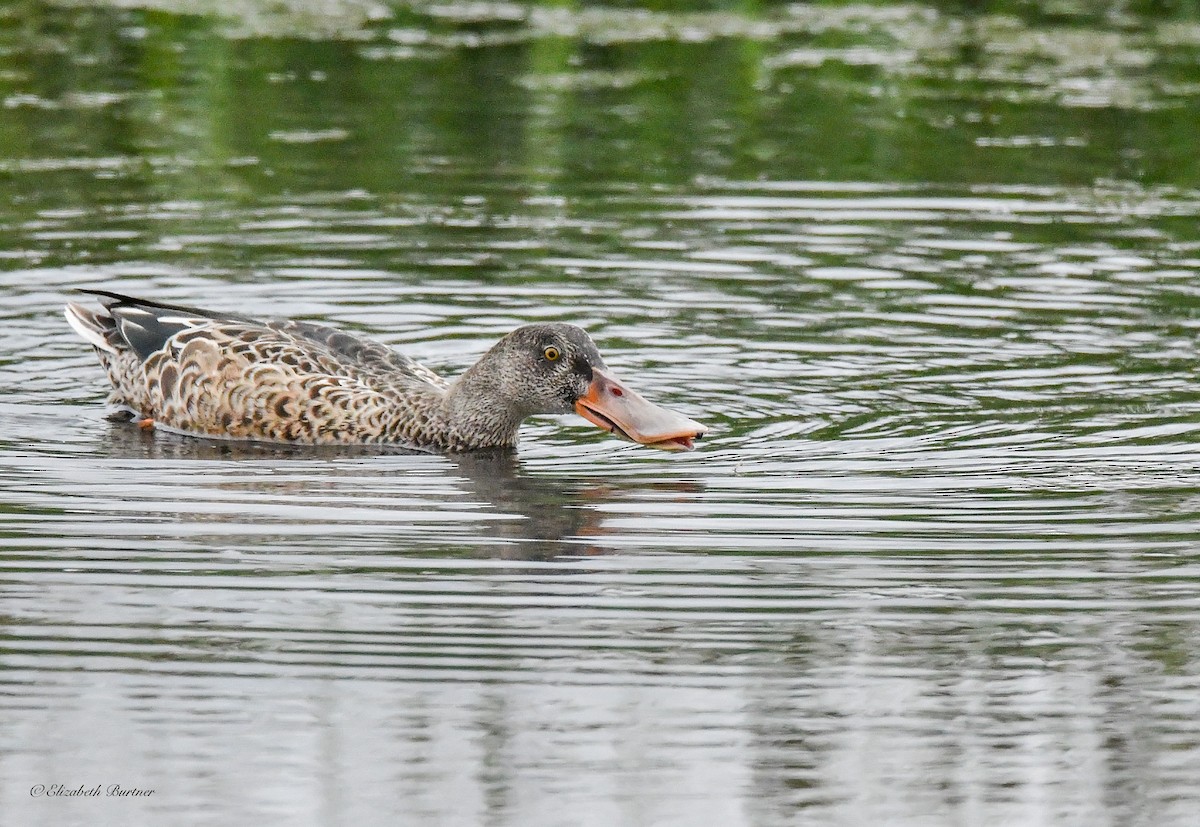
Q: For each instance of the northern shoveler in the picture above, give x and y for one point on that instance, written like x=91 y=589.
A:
x=228 y=376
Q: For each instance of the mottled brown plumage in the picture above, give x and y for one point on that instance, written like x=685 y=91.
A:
x=232 y=377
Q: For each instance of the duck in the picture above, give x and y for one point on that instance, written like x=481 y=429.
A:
x=227 y=376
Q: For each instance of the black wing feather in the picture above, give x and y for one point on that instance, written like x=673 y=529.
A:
x=147 y=325
x=116 y=301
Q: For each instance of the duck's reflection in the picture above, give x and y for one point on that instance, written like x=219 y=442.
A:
x=560 y=515
x=555 y=515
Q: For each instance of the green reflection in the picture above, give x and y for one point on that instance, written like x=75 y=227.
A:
x=106 y=104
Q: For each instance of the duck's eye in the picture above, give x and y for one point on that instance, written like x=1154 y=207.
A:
x=551 y=353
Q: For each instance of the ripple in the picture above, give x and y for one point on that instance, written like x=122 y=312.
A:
x=936 y=558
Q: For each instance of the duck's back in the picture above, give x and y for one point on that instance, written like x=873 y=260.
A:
x=229 y=376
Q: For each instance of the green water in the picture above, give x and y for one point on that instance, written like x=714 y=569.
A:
x=928 y=271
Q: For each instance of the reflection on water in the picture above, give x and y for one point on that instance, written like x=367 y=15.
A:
x=514 y=515
x=479 y=504
x=929 y=275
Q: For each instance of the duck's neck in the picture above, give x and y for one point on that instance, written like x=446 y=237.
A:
x=478 y=415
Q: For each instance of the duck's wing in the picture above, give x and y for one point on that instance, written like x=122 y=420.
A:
x=369 y=355
x=140 y=325
x=147 y=326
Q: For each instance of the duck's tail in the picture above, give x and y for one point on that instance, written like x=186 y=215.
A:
x=96 y=327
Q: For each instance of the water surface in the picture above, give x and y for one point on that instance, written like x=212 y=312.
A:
x=929 y=274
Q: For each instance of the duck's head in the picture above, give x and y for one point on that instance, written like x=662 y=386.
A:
x=556 y=369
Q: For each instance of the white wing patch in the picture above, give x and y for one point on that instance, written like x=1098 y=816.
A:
x=186 y=321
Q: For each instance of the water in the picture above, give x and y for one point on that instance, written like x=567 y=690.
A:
x=929 y=275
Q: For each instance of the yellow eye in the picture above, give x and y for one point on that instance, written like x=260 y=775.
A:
x=551 y=353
